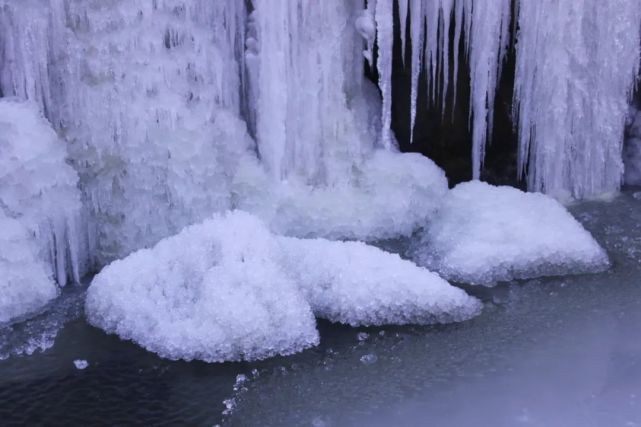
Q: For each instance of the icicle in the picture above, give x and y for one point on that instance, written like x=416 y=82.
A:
x=385 y=36
x=446 y=17
x=487 y=45
x=416 y=34
x=458 y=29
x=402 y=13
x=577 y=63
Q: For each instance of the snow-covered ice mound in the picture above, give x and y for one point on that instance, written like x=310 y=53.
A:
x=485 y=234
x=25 y=286
x=358 y=284
x=389 y=195
x=212 y=292
x=38 y=187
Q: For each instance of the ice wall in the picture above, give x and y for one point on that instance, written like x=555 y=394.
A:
x=577 y=63
x=148 y=96
x=313 y=114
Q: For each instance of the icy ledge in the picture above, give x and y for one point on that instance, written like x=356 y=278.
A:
x=484 y=234
x=228 y=289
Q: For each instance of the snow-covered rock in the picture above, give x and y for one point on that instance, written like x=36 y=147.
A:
x=358 y=284
x=25 y=286
x=39 y=189
x=485 y=234
x=212 y=292
x=389 y=195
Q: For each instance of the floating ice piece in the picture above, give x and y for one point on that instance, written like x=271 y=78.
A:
x=211 y=293
x=390 y=195
x=80 y=364
x=485 y=234
x=25 y=286
x=357 y=284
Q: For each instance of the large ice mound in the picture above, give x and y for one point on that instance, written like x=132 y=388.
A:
x=25 y=286
x=389 y=195
x=212 y=292
x=39 y=189
x=358 y=284
x=485 y=234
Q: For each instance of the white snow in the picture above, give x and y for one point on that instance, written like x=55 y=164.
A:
x=228 y=289
x=25 y=285
x=388 y=195
x=211 y=293
x=485 y=234
x=357 y=284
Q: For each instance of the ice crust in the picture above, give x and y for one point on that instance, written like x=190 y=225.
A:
x=358 y=284
x=484 y=234
x=228 y=289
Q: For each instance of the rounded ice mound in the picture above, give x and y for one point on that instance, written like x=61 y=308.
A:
x=25 y=286
x=389 y=195
x=212 y=292
x=485 y=234
x=358 y=284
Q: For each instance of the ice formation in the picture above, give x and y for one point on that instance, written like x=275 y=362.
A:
x=25 y=283
x=390 y=194
x=147 y=94
x=228 y=289
x=632 y=148
x=357 y=284
x=577 y=63
x=212 y=292
x=313 y=113
x=485 y=234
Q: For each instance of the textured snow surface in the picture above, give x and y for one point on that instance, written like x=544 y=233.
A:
x=212 y=292
x=357 y=284
x=228 y=289
x=388 y=195
x=485 y=234
x=25 y=285
x=632 y=148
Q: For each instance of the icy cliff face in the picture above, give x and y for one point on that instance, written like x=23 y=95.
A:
x=632 y=149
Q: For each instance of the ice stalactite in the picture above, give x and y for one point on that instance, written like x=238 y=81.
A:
x=577 y=63
x=312 y=104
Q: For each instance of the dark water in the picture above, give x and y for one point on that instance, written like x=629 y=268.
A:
x=550 y=352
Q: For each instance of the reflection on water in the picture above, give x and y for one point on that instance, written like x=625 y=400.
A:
x=548 y=352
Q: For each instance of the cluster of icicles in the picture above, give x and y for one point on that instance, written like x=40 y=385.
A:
x=577 y=63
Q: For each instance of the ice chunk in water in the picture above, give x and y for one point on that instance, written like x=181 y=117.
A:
x=25 y=286
x=485 y=234
x=211 y=293
x=357 y=284
x=80 y=364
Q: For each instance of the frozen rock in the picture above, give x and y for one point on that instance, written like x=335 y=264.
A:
x=212 y=292
x=389 y=195
x=25 y=286
x=357 y=284
x=485 y=234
